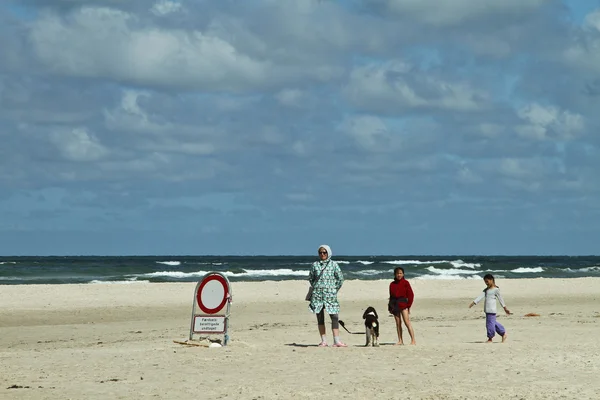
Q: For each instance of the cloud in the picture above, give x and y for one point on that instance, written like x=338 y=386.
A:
x=583 y=54
x=111 y=44
x=369 y=132
x=546 y=121
x=165 y=7
x=78 y=145
x=396 y=88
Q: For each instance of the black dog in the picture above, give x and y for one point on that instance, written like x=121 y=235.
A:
x=371 y=326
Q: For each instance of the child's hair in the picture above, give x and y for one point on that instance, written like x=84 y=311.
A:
x=489 y=277
x=398 y=269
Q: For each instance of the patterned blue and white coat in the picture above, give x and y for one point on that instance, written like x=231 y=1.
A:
x=325 y=289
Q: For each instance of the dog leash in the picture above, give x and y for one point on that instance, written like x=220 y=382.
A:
x=343 y=325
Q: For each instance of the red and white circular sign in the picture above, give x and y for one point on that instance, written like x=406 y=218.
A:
x=212 y=294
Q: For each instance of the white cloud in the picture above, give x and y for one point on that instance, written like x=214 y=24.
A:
x=369 y=132
x=222 y=53
x=165 y=7
x=112 y=44
x=128 y=116
x=546 y=122
x=584 y=50
x=395 y=88
x=592 y=20
x=78 y=145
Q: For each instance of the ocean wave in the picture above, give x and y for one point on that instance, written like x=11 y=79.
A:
x=171 y=263
x=7 y=262
x=527 y=270
x=404 y=262
x=462 y=264
x=451 y=271
x=365 y=262
x=590 y=269
x=174 y=274
x=372 y=272
x=208 y=263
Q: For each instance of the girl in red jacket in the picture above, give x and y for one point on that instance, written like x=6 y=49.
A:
x=401 y=299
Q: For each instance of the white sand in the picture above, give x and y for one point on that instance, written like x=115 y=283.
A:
x=116 y=342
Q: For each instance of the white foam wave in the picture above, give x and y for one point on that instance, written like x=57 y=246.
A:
x=403 y=262
x=365 y=262
x=343 y=262
x=527 y=270
x=462 y=264
x=371 y=272
x=174 y=274
x=172 y=263
x=7 y=262
x=451 y=271
x=590 y=269
x=587 y=269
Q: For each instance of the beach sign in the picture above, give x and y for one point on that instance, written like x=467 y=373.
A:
x=210 y=309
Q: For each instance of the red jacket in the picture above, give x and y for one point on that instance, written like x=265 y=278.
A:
x=402 y=289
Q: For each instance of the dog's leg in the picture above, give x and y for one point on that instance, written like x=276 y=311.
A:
x=368 y=336
x=376 y=336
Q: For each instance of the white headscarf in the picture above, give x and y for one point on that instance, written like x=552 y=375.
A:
x=324 y=246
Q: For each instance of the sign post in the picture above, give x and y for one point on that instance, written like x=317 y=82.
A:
x=212 y=297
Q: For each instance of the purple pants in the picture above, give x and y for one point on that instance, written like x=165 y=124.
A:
x=493 y=326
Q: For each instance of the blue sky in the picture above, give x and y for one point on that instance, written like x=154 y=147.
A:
x=272 y=126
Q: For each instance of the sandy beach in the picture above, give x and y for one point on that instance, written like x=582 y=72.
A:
x=116 y=341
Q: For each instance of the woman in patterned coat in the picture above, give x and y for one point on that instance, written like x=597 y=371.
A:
x=326 y=278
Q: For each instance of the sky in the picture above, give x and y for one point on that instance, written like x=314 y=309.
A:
x=379 y=127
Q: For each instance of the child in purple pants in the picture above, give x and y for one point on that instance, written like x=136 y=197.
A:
x=491 y=293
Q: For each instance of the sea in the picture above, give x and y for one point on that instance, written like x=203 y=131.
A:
x=95 y=270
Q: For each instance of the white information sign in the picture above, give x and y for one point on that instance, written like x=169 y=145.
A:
x=209 y=324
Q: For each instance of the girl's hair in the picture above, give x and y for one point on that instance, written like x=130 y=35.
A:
x=489 y=277
x=398 y=269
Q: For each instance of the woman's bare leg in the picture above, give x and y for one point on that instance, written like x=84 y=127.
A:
x=411 y=332
x=399 y=328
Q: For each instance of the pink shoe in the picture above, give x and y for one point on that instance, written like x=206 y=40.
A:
x=340 y=344
x=322 y=344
